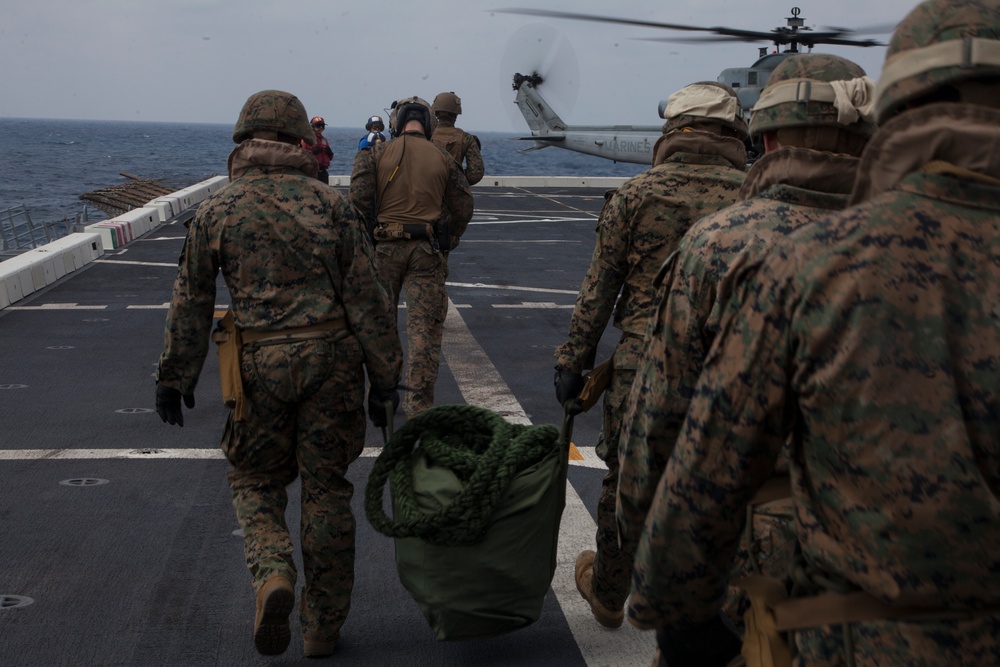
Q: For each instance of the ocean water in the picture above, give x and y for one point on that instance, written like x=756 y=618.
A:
x=47 y=164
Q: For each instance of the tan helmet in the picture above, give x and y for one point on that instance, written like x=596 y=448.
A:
x=815 y=90
x=411 y=108
x=447 y=102
x=939 y=43
x=273 y=111
x=700 y=103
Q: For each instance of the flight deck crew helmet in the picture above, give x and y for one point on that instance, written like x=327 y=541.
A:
x=270 y=113
x=318 y=123
x=811 y=91
x=448 y=103
x=704 y=104
x=411 y=108
x=940 y=44
x=375 y=124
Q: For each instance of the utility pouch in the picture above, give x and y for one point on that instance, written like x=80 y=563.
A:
x=596 y=383
x=763 y=644
x=393 y=231
x=442 y=231
x=230 y=343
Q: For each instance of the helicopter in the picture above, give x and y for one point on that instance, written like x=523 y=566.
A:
x=632 y=143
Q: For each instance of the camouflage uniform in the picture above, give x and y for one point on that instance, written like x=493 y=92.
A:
x=292 y=255
x=427 y=186
x=698 y=172
x=461 y=145
x=786 y=189
x=871 y=339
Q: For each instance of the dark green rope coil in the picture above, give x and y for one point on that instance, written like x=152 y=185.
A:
x=481 y=448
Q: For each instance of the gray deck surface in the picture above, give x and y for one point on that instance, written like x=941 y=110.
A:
x=145 y=569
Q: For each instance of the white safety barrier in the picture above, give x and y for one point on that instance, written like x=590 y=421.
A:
x=34 y=269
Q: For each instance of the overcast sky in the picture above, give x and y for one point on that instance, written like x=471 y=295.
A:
x=198 y=60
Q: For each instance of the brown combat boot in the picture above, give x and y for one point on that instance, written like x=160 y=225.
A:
x=317 y=648
x=275 y=601
x=585 y=584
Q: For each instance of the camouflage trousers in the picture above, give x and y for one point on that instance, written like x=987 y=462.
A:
x=305 y=419
x=416 y=271
x=613 y=565
x=975 y=641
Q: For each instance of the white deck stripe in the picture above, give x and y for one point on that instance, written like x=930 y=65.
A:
x=172 y=265
x=590 y=459
x=481 y=384
x=515 y=288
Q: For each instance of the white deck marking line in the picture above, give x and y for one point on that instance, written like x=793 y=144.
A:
x=57 y=306
x=590 y=459
x=172 y=265
x=515 y=288
x=481 y=384
x=537 y=305
x=73 y=454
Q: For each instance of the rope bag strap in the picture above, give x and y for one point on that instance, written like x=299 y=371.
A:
x=481 y=448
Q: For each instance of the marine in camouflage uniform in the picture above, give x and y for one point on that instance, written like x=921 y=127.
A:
x=464 y=147
x=301 y=276
x=870 y=338
x=698 y=167
x=402 y=189
x=807 y=172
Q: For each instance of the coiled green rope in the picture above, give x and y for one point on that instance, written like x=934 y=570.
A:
x=481 y=448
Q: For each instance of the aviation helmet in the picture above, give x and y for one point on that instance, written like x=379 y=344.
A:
x=700 y=103
x=815 y=90
x=447 y=102
x=375 y=124
x=411 y=108
x=273 y=111
x=317 y=122
x=939 y=43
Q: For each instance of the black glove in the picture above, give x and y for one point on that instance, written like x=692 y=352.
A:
x=328 y=151
x=569 y=384
x=376 y=404
x=316 y=150
x=168 y=404
x=708 y=644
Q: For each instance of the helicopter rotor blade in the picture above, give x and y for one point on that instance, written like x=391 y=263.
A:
x=599 y=19
x=876 y=29
x=778 y=36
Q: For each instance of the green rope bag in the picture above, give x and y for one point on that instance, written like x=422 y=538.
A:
x=481 y=448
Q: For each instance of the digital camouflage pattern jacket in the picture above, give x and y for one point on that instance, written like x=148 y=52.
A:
x=292 y=254
x=462 y=146
x=640 y=225
x=872 y=338
x=783 y=191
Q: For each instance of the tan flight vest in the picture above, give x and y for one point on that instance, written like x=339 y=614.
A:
x=412 y=177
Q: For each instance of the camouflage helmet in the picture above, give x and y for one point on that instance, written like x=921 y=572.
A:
x=273 y=111
x=447 y=102
x=939 y=43
x=799 y=94
x=411 y=108
x=700 y=103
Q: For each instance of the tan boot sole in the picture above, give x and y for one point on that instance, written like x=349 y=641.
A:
x=271 y=633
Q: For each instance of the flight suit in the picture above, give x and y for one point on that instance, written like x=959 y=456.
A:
x=293 y=257
x=401 y=190
x=870 y=338
x=697 y=173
